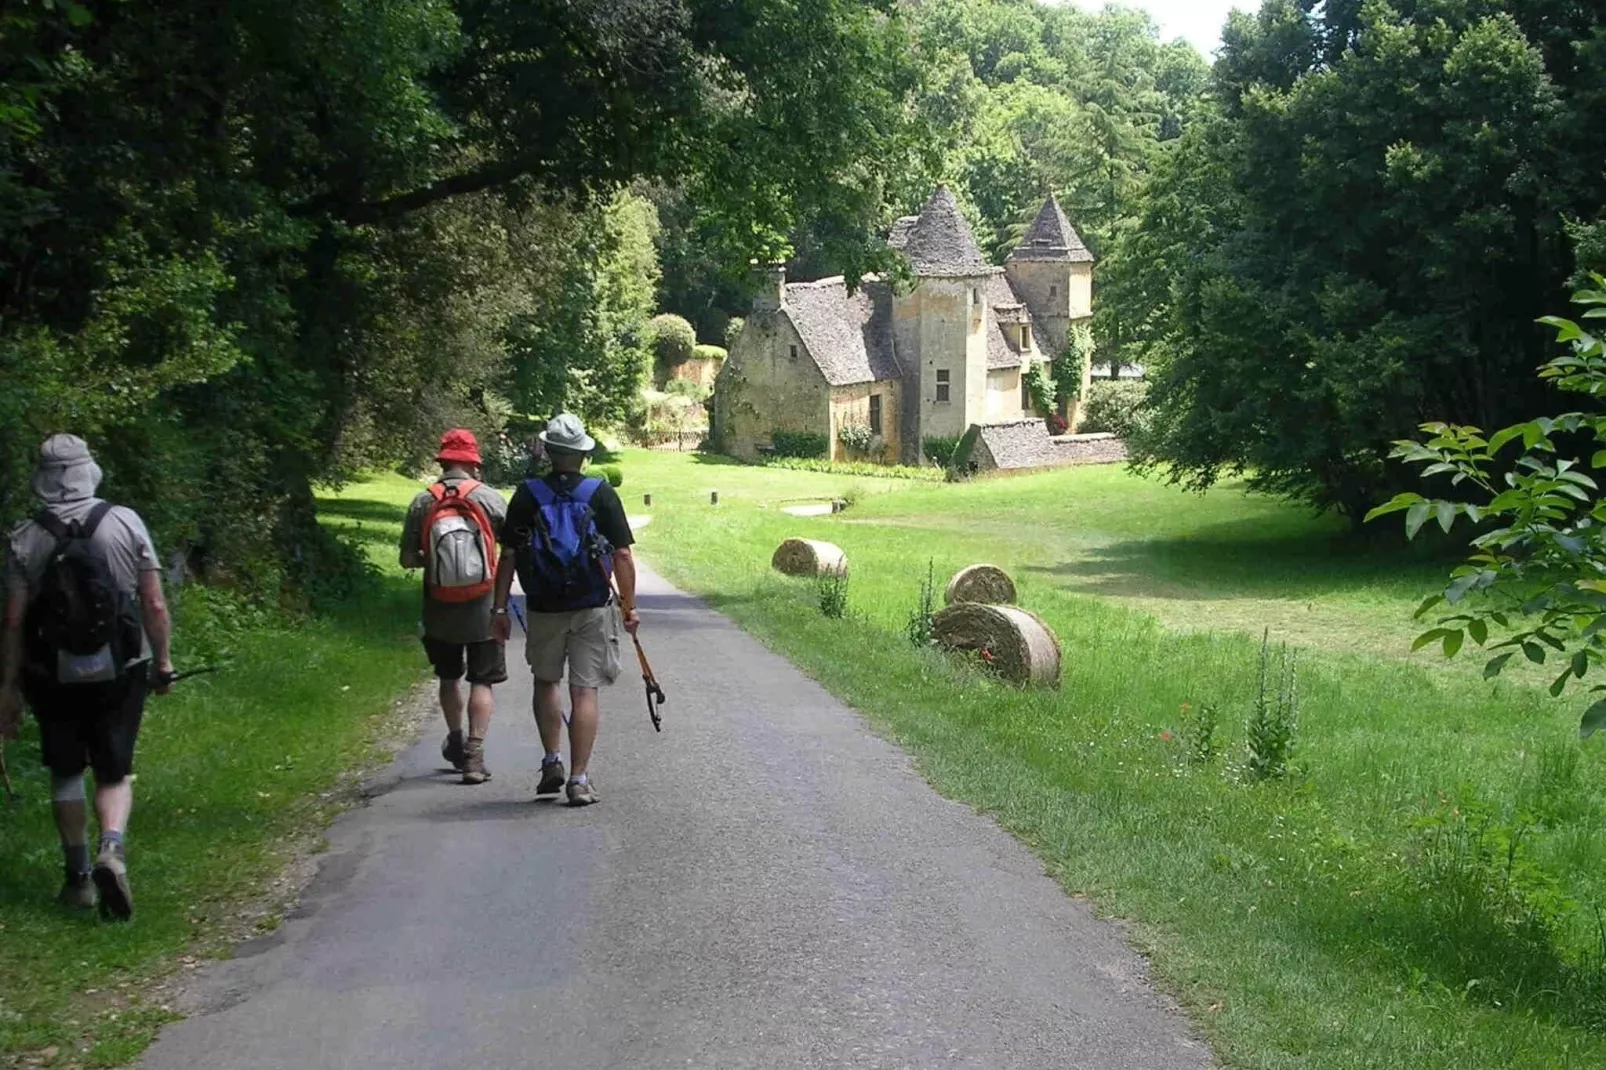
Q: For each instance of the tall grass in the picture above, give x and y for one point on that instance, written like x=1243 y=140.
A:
x=1423 y=889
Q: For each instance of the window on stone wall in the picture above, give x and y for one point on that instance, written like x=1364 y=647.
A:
x=943 y=385
x=793 y=353
x=1053 y=291
x=1025 y=393
x=875 y=414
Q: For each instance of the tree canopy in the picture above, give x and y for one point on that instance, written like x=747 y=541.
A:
x=248 y=248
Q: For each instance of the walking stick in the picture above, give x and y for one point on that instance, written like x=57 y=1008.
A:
x=655 y=694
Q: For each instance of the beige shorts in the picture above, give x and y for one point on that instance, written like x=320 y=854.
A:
x=587 y=640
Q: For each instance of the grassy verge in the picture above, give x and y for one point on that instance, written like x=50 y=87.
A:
x=232 y=769
x=1424 y=891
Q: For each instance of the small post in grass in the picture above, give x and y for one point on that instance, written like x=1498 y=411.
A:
x=646 y=499
x=713 y=497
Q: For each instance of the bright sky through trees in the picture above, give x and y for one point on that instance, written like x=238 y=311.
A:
x=1200 y=21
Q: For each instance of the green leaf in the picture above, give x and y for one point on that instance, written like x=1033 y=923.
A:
x=1560 y=684
x=1415 y=517
x=1594 y=719
x=1535 y=653
x=1496 y=664
x=1445 y=512
x=1566 y=330
x=1429 y=637
x=1452 y=643
x=1501 y=437
x=1479 y=630
x=1580 y=663
x=1427 y=604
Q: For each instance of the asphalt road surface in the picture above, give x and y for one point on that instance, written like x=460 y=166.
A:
x=766 y=884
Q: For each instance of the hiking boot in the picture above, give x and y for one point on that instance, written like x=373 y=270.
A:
x=581 y=793
x=77 y=893
x=452 y=750
x=552 y=779
x=474 y=771
x=111 y=878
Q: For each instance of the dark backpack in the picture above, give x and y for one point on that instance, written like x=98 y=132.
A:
x=571 y=564
x=81 y=628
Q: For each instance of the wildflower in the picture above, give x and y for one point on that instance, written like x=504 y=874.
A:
x=987 y=655
x=1187 y=705
x=1166 y=736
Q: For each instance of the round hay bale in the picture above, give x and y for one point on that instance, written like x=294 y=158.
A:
x=1017 y=644
x=808 y=557
x=987 y=584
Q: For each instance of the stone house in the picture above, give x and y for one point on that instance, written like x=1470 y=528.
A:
x=906 y=367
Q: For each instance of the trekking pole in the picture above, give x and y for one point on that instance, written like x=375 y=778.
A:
x=655 y=694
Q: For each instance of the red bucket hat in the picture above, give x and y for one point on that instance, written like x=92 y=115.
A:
x=459 y=445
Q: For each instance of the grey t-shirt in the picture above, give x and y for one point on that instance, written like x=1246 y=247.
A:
x=121 y=535
x=451 y=622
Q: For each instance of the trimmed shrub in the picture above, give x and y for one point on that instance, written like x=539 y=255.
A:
x=702 y=352
x=611 y=473
x=798 y=444
x=940 y=449
x=732 y=330
x=672 y=340
x=1112 y=405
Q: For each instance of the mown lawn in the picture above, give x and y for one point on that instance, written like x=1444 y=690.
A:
x=231 y=767
x=1425 y=891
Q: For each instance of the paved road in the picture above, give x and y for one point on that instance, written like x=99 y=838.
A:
x=765 y=885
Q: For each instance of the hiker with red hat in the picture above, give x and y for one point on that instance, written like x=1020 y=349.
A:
x=451 y=533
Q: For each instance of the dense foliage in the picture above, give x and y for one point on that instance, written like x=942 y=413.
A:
x=1113 y=405
x=671 y=339
x=1536 y=577
x=800 y=444
x=1022 y=97
x=1361 y=233
x=250 y=247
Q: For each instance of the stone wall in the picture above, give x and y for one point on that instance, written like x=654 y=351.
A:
x=702 y=372
x=851 y=405
x=763 y=387
x=1003 y=395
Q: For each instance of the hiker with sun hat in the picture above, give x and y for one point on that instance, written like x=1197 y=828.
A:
x=450 y=533
x=569 y=542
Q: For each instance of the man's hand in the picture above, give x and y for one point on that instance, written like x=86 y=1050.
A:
x=632 y=622
x=10 y=712
x=162 y=679
x=501 y=626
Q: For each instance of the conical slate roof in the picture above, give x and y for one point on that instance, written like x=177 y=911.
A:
x=939 y=242
x=1051 y=237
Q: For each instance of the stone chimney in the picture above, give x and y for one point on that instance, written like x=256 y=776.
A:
x=770 y=292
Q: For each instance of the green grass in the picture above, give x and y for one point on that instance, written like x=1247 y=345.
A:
x=1423 y=892
x=230 y=768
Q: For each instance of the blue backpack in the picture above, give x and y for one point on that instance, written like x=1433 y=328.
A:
x=571 y=564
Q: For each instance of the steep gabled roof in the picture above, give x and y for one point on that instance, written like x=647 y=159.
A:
x=1051 y=237
x=997 y=293
x=848 y=337
x=939 y=241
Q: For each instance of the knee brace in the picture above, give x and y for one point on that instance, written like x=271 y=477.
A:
x=66 y=789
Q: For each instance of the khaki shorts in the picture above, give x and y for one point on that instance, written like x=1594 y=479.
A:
x=586 y=639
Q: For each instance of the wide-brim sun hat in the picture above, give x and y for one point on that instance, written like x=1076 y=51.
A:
x=459 y=446
x=566 y=432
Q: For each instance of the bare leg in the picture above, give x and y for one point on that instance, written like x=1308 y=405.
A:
x=582 y=727
x=113 y=803
x=72 y=822
x=452 y=705
x=481 y=704
x=549 y=714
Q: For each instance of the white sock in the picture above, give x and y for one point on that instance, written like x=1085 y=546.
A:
x=552 y=757
x=583 y=778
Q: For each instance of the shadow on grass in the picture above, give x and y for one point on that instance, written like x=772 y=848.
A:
x=1239 y=560
x=363 y=510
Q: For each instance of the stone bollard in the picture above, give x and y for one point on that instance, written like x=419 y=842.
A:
x=646 y=499
x=713 y=497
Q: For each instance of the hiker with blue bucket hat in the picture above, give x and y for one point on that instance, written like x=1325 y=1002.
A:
x=567 y=539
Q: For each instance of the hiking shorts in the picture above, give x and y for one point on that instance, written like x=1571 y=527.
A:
x=586 y=640
x=483 y=663
x=90 y=725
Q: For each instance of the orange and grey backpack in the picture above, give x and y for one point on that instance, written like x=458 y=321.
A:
x=459 y=546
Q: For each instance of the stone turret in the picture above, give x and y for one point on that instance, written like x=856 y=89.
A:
x=1052 y=271
x=769 y=293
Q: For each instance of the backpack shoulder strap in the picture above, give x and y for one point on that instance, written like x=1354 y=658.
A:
x=467 y=487
x=541 y=491
x=437 y=490
x=587 y=489
x=52 y=525
x=91 y=522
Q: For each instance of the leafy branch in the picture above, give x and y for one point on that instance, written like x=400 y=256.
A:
x=1534 y=582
